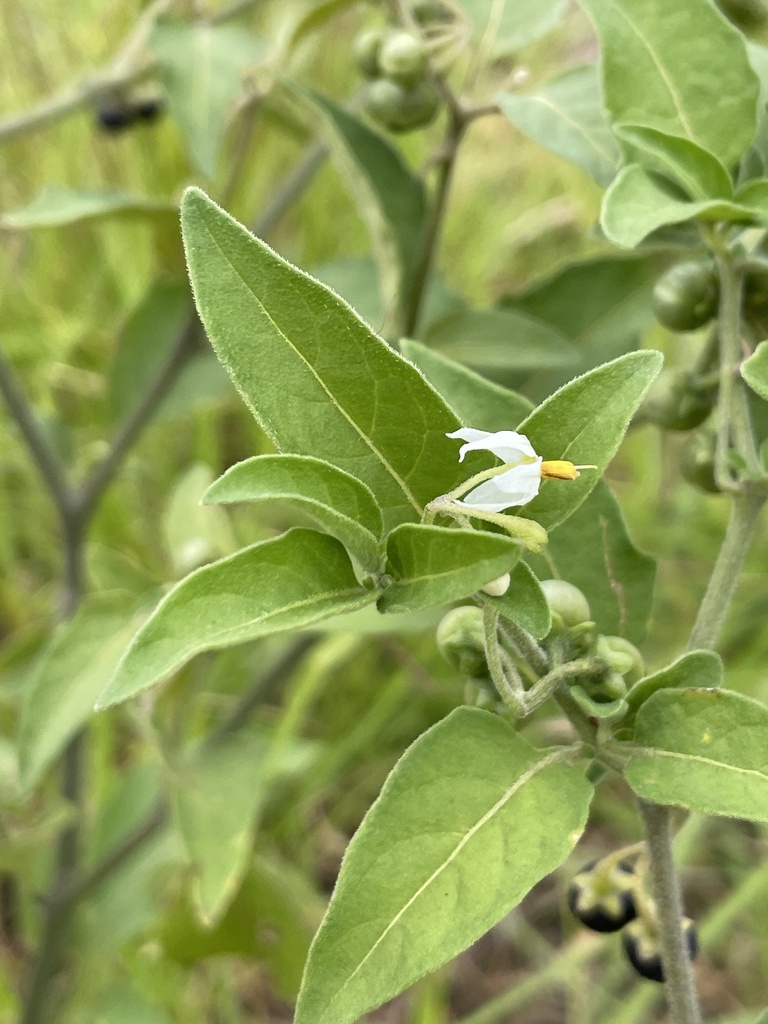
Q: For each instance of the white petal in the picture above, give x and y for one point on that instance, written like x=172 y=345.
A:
x=507 y=445
x=517 y=486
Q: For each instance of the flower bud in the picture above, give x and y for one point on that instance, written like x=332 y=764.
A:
x=497 y=587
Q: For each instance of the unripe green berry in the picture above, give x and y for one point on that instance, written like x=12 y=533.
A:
x=685 y=297
x=461 y=641
x=697 y=461
x=567 y=602
x=401 y=108
x=674 y=403
x=366 y=49
x=402 y=57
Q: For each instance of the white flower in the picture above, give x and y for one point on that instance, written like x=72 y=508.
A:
x=523 y=469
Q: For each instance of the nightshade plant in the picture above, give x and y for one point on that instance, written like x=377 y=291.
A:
x=365 y=429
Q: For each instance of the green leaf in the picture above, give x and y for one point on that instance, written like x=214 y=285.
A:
x=754 y=370
x=217 y=797
x=144 y=343
x=500 y=341
x=525 y=602
x=584 y=422
x=695 y=170
x=503 y=26
x=433 y=565
x=477 y=401
x=291 y=345
x=286 y=583
x=202 y=382
x=340 y=503
x=638 y=203
x=69 y=676
x=389 y=197
x=702 y=669
x=469 y=820
x=202 y=67
x=593 y=551
x=684 y=71
x=194 y=534
x=566 y=116
x=57 y=206
x=704 y=749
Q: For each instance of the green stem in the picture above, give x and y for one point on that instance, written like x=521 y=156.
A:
x=678 y=977
x=741 y=529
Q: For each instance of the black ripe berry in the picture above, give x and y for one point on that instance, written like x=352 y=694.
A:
x=603 y=900
x=643 y=950
x=148 y=109
x=115 y=117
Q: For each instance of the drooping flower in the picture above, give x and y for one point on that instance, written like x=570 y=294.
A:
x=518 y=481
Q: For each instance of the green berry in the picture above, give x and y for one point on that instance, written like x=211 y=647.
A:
x=567 y=602
x=461 y=641
x=685 y=297
x=674 y=403
x=366 y=49
x=697 y=461
x=401 y=108
x=402 y=57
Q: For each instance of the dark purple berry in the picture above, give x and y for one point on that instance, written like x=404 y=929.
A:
x=148 y=109
x=643 y=950
x=115 y=117
x=604 y=904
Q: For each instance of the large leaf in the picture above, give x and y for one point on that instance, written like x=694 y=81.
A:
x=593 y=551
x=340 y=503
x=286 y=583
x=202 y=67
x=291 y=346
x=70 y=675
x=754 y=370
x=477 y=401
x=584 y=422
x=57 y=206
x=389 y=197
x=433 y=565
x=703 y=749
x=469 y=820
x=682 y=69
x=500 y=341
x=567 y=117
x=503 y=26
x=639 y=202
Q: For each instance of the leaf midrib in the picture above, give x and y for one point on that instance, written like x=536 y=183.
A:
x=363 y=437
x=641 y=752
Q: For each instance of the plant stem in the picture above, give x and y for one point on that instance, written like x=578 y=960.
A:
x=742 y=526
x=678 y=977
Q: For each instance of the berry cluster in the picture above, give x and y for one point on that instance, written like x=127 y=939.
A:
x=604 y=896
x=119 y=115
x=400 y=93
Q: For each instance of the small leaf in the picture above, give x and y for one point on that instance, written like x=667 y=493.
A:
x=202 y=67
x=684 y=71
x=69 y=676
x=504 y=26
x=478 y=402
x=286 y=583
x=144 y=343
x=638 y=203
x=500 y=341
x=194 y=534
x=290 y=344
x=389 y=197
x=754 y=370
x=341 y=504
x=584 y=422
x=701 y=669
x=469 y=820
x=434 y=565
x=694 y=169
x=57 y=206
x=525 y=602
x=567 y=117
x=703 y=749
x=593 y=551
